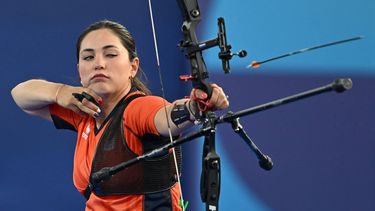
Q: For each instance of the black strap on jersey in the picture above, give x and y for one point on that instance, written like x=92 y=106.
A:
x=90 y=187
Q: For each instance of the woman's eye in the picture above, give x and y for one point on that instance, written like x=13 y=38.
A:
x=88 y=58
x=111 y=55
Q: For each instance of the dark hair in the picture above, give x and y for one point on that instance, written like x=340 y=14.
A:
x=127 y=41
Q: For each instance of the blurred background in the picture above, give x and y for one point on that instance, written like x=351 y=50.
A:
x=322 y=147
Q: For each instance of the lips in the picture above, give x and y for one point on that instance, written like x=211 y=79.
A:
x=98 y=77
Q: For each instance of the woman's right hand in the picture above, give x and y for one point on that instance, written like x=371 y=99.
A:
x=65 y=98
x=35 y=95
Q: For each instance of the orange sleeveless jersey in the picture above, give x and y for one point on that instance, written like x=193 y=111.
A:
x=139 y=116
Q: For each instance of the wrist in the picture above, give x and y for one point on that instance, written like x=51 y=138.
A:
x=193 y=110
x=58 y=90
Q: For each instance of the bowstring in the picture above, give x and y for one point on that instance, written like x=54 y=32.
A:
x=165 y=104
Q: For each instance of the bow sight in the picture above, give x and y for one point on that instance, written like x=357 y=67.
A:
x=225 y=53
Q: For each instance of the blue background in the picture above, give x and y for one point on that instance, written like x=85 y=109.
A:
x=322 y=147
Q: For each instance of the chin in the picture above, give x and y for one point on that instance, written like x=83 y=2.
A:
x=100 y=89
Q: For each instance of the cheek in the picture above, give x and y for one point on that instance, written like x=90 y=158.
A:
x=123 y=69
x=83 y=74
x=82 y=69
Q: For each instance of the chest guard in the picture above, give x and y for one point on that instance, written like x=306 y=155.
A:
x=147 y=176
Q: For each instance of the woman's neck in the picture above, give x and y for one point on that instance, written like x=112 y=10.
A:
x=109 y=103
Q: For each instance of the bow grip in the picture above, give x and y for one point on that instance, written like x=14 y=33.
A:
x=203 y=105
x=204 y=86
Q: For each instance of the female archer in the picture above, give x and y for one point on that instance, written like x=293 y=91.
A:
x=116 y=119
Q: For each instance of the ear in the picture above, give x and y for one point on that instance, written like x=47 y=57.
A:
x=135 y=66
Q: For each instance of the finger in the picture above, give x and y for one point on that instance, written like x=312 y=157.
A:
x=199 y=94
x=215 y=86
x=92 y=106
x=86 y=109
x=75 y=108
x=92 y=96
x=78 y=96
x=214 y=99
x=89 y=98
x=218 y=99
x=78 y=111
x=222 y=103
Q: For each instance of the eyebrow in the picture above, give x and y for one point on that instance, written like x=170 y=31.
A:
x=104 y=48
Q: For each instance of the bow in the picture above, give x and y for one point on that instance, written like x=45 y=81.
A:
x=210 y=179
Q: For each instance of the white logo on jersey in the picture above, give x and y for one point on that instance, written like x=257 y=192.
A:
x=86 y=133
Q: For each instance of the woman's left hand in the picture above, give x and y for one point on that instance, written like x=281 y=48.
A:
x=218 y=100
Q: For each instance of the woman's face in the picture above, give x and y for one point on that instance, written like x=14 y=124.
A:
x=104 y=64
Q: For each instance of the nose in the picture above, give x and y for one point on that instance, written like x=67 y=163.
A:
x=99 y=67
x=99 y=63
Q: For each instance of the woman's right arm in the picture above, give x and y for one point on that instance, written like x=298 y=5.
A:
x=35 y=95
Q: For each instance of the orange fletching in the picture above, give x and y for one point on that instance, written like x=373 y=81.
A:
x=255 y=64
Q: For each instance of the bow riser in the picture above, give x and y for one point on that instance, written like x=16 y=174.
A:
x=190 y=44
